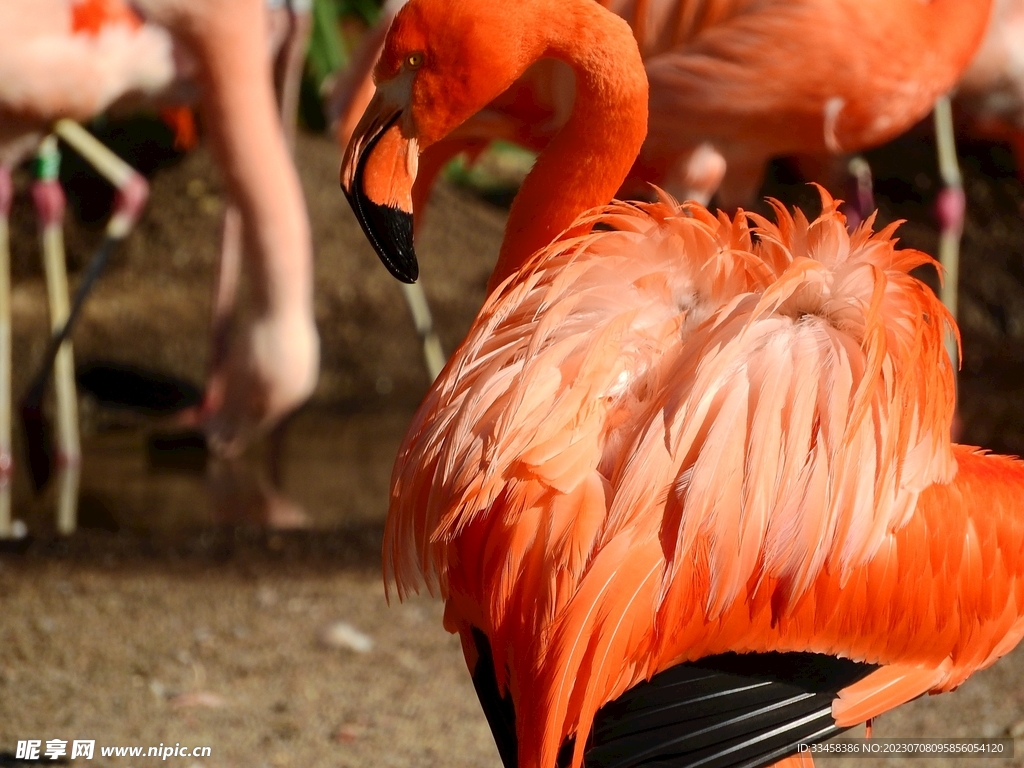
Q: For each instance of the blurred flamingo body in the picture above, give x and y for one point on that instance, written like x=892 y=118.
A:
x=670 y=436
x=991 y=92
x=734 y=83
x=51 y=70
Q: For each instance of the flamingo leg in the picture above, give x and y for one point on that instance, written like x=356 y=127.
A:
x=50 y=204
x=6 y=451
x=863 y=196
x=225 y=291
x=433 y=353
x=49 y=199
x=289 y=63
x=949 y=209
x=132 y=188
x=68 y=477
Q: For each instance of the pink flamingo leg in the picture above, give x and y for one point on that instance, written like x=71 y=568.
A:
x=862 y=197
x=6 y=453
x=50 y=205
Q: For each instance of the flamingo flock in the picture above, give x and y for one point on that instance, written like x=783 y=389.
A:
x=687 y=487
x=724 y=100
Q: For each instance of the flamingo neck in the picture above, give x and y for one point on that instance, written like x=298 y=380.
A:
x=589 y=158
x=239 y=106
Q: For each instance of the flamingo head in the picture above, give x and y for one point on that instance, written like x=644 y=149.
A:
x=442 y=62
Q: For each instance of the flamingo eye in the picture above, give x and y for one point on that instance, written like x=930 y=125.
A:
x=414 y=60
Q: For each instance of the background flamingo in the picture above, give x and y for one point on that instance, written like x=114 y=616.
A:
x=991 y=92
x=666 y=446
x=271 y=367
x=116 y=57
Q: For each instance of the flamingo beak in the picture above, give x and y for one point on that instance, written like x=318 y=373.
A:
x=377 y=175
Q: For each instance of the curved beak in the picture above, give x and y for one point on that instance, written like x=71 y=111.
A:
x=377 y=176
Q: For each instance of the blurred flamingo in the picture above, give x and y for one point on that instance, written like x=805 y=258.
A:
x=991 y=92
x=74 y=58
x=687 y=486
x=990 y=103
x=272 y=365
x=55 y=62
x=112 y=56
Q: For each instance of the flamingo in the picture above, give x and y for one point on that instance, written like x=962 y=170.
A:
x=990 y=95
x=991 y=91
x=113 y=58
x=52 y=72
x=687 y=486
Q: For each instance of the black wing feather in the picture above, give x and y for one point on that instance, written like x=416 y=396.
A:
x=498 y=709
x=727 y=711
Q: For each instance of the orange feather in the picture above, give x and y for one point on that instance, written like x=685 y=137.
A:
x=772 y=521
x=91 y=16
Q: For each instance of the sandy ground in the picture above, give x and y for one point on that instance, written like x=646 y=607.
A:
x=175 y=617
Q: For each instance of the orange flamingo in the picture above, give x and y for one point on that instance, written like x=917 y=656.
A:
x=687 y=486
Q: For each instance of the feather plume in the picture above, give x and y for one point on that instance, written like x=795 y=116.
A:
x=684 y=434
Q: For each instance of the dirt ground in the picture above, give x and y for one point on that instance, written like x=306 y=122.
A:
x=174 y=616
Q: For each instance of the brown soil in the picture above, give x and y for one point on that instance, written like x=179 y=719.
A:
x=173 y=620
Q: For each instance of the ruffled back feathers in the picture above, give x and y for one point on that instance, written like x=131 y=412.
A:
x=686 y=405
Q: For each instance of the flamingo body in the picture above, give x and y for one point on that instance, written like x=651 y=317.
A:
x=824 y=93
x=60 y=61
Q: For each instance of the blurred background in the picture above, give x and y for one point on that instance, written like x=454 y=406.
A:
x=238 y=604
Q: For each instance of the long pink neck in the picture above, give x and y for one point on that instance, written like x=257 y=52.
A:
x=589 y=158
x=229 y=39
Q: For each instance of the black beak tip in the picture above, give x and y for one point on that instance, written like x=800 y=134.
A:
x=394 y=243
x=389 y=231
